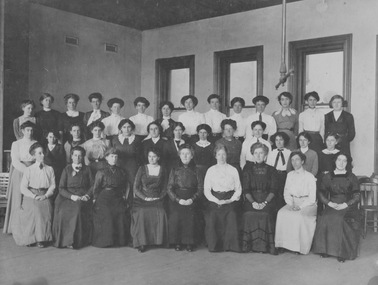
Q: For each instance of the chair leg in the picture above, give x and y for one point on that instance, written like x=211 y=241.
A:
x=365 y=223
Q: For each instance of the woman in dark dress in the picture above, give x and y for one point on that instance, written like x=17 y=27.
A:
x=155 y=141
x=327 y=156
x=72 y=116
x=166 y=122
x=110 y=189
x=128 y=147
x=76 y=139
x=47 y=118
x=222 y=189
x=233 y=145
x=54 y=155
x=149 y=223
x=72 y=226
x=184 y=189
x=340 y=122
x=172 y=146
x=338 y=228
x=203 y=151
x=259 y=188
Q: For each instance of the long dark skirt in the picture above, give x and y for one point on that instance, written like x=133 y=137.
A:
x=72 y=224
x=110 y=224
x=279 y=197
x=337 y=233
x=258 y=229
x=149 y=223
x=182 y=224
x=32 y=222
x=221 y=229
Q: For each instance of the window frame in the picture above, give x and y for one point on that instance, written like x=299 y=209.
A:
x=298 y=50
x=163 y=67
x=223 y=60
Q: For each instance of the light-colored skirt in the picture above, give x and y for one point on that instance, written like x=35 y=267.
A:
x=14 y=198
x=295 y=229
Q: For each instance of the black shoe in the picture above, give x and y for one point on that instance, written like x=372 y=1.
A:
x=189 y=248
x=341 y=260
x=40 y=244
x=142 y=248
x=324 y=255
x=178 y=247
x=280 y=250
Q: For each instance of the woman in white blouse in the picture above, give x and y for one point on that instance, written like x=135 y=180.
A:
x=222 y=189
x=33 y=219
x=296 y=221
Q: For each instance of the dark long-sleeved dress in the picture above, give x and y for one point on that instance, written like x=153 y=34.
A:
x=184 y=183
x=343 y=126
x=72 y=224
x=149 y=223
x=110 y=223
x=260 y=184
x=47 y=120
x=56 y=158
x=168 y=132
x=172 y=156
x=160 y=145
x=234 y=148
x=203 y=158
x=65 y=123
x=337 y=231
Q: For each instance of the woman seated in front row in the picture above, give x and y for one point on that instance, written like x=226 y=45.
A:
x=338 y=228
x=296 y=221
x=149 y=222
x=33 y=218
x=72 y=225
x=222 y=189
x=260 y=188
x=184 y=189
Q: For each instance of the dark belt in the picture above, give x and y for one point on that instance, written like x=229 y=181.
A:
x=313 y=133
x=38 y=191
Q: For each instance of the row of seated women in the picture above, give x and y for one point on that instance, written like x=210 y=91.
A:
x=239 y=214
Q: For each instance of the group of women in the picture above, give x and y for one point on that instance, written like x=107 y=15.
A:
x=238 y=184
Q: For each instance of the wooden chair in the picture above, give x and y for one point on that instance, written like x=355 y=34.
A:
x=4 y=181
x=369 y=205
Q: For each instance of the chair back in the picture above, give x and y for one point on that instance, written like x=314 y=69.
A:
x=369 y=194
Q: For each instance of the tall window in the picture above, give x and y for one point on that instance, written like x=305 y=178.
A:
x=322 y=65
x=239 y=73
x=175 y=79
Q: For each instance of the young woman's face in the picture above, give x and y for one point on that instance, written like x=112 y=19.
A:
x=303 y=142
x=46 y=103
x=77 y=157
x=96 y=131
x=341 y=162
x=112 y=158
x=75 y=132
x=260 y=106
x=331 y=142
x=153 y=158
x=38 y=154
x=228 y=131
x=186 y=156
x=297 y=162
x=166 y=111
x=116 y=108
x=337 y=104
x=127 y=130
x=154 y=131
x=28 y=132
x=280 y=142
x=28 y=110
x=311 y=101
x=203 y=135
x=141 y=107
x=214 y=104
x=221 y=156
x=257 y=131
x=96 y=103
x=177 y=132
x=285 y=102
x=259 y=155
x=71 y=104
x=51 y=139
x=238 y=107
x=189 y=105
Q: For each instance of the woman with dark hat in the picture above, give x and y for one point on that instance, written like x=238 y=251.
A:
x=141 y=120
x=110 y=224
x=311 y=121
x=279 y=158
x=190 y=119
x=287 y=118
x=213 y=118
x=237 y=104
x=33 y=218
x=234 y=146
x=21 y=158
x=72 y=226
x=184 y=189
x=166 y=122
x=271 y=127
x=71 y=116
x=47 y=118
x=96 y=114
x=340 y=122
x=111 y=123
x=27 y=107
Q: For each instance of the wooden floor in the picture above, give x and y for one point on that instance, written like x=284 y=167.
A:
x=23 y=265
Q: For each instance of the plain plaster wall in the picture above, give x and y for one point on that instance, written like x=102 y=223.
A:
x=58 y=68
x=263 y=27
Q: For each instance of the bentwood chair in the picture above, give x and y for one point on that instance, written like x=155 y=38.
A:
x=369 y=205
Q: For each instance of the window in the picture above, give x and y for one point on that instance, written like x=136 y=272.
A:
x=239 y=73
x=175 y=79
x=322 y=65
